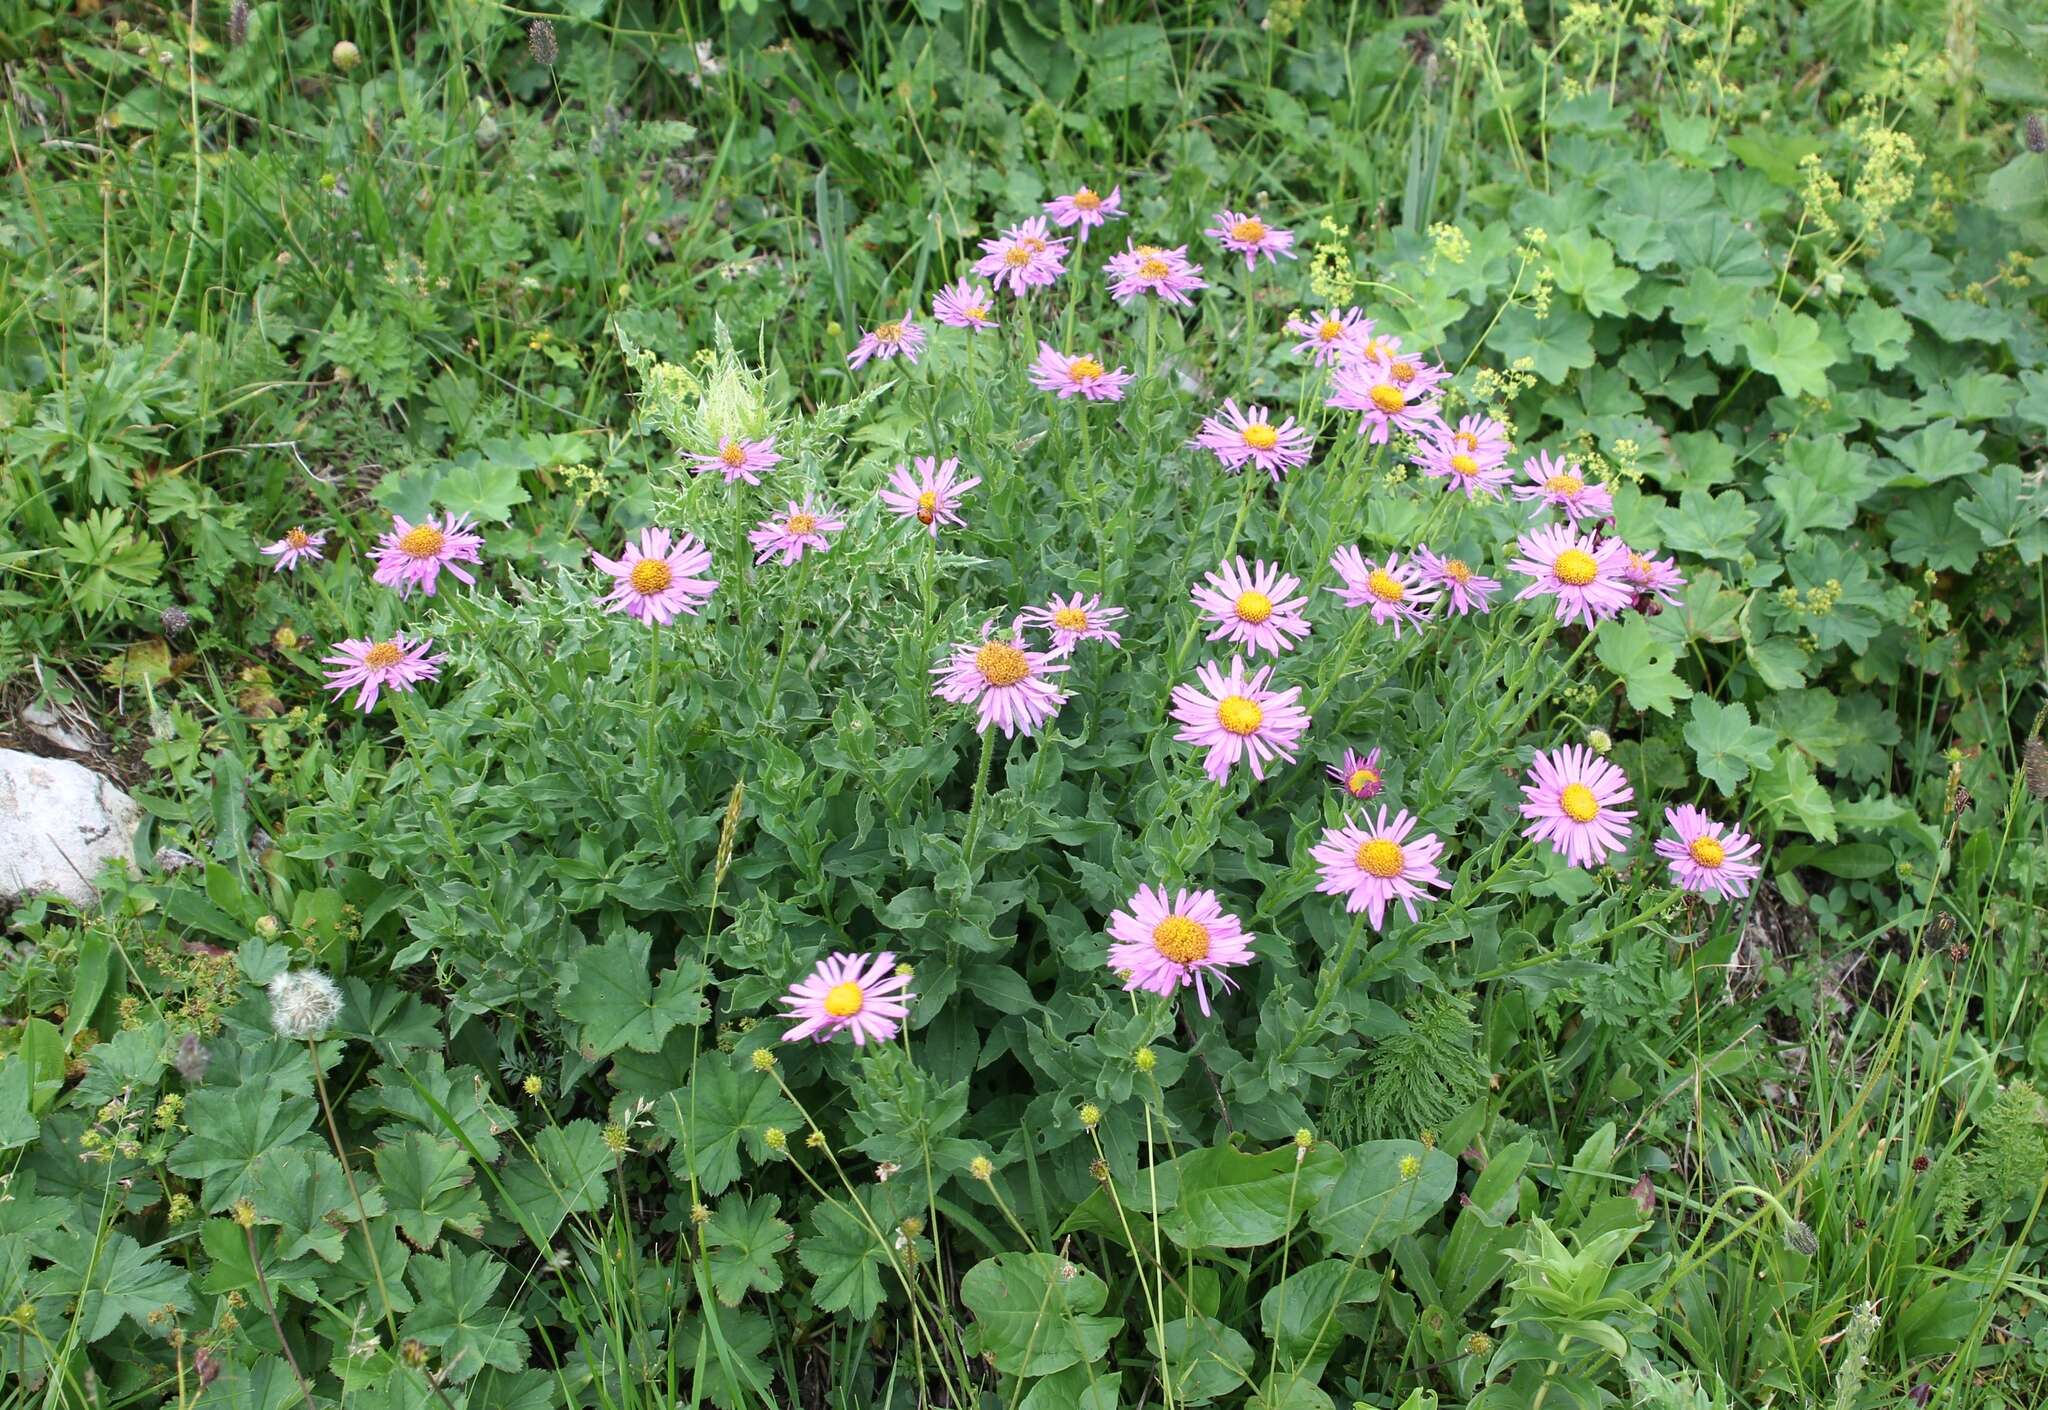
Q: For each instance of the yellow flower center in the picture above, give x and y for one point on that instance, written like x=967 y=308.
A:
x=1086 y=200
x=422 y=541
x=384 y=653
x=1389 y=398
x=977 y=313
x=1070 y=619
x=844 y=1000
x=1148 y=249
x=1260 y=435
x=928 y=502
x=1465 y=441
x=1362 y=779
x=733 y=454
x=1032 y=243
x=1239 y=715
x=1249 y=231
x=801 y=523
x=298 y=538
x=1385 y=586
x=1181 y=940
x=1084 y=369
x=1253 y=607
x=1329 y=330
x=1154 y=268
x=1463 y=463
x=1382 y=858
x=1402 y=372
x=1707 y=852
x=1001 y=663
x=1639 y=565
x=1017 y=256
x=1457 y=570
x=1578 y=803
x=1565 y=484
x=889 y=333
x=651 y=575
x=1374 y=349
x=1576 y=566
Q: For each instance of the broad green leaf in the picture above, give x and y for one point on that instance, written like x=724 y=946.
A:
x=1788 y=346
x=1708 y=526
x=1388 y=1189
x=1725 y=745
x=1080 y=1387
x=1556 y=346
x=1926 y=531
x=1788 y=791
x=738 y=1372
x=1879 y=333
x=232 y=1130
x=462 y=1093
x=617 y=1003
x=1208 y=1357
x=1585 y=269
x=1936 y=452
x=1220 y=1197
x=745 y=1240
x=2002 y=511
x=455 y=1315
x=1818 y=485
x=712 y=1116
x=565 y=1175
x=845 y=1260
x=306 y=1195
x=1035 y=1314
x=1298 y=1313
x=111 y=1280
x=1642 y=661
x=428 y=1184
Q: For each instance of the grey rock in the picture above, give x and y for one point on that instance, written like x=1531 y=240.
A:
x=60 y=823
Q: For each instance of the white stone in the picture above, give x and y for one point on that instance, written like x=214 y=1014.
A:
x=55 y=730
x=60 y=823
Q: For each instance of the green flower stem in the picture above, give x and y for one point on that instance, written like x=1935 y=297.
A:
x=988 y=739
x=1327 y=988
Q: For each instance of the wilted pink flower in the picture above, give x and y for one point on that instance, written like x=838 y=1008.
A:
x=1086 y=209
x=1237 y=719
x=1074 y=621
x=1236 y=436
x=1326 y=336
x=1026 y=257
x=1472 y=458
x=1654 y=579
x=1251 y=237
x=858 y=994
x=1253 y=605
x=367 y=667
x=903 y=339
x=1005 y=679
x=964 y=305
x=653 y=582
x=738 y=459
x=1389 y=395
x=1393 y=591
x=1707 y=857
x=296 y=545
x=1467 y=590
x=933 y=496
x=799 y=529
x=1076 y=376
x=1359 y=775
x=1376 y=863
x=1162 y=945
x=1554 y=479
x=1572 y=801
x=1149 y=269
x=1588 y=576
x=411 y=556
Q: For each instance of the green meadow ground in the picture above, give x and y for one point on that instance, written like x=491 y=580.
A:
x=1773 y=273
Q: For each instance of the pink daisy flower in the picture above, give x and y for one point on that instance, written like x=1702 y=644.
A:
x=1654 y=579
x=799 y=529
x=858 y=994
x=1236 y=719
x=1389 y=395
x=738 y=459
x=411 y=556
x=1325 y=336
x=1253 y=606
x=1236 y=436
x=1393 y=591
x=964 y=305
x=1086 y=209
x=1004 y=679
x=1555 y=479
x=367 y=667
x=1374 y=864
x=1076 y=376
x=1706 y=856
x=1026 y=257
x=652 y=581
x=933 y=496
x=1359 y=775
x=1074 y=621
x=1251 y=237
x=1572 y=801
x=1161 y=945
x=296 y=546
x=902 y=338
x=1587 y=575
x=1468 y=591
x=1149 y=269
x=1472 y=458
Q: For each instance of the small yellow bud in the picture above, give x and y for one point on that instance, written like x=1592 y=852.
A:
x=1304 y=1138
x=346 y=56
x=775 y=1138
x=532 y=1085
x=268 y=927
x=1411 y=1166
x=1091 y=1115
x=816 y=1140
x=981 y=1168
x=244 y=1213
x=1145 y=1059
x=763 y=1060
x=700 y=1213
